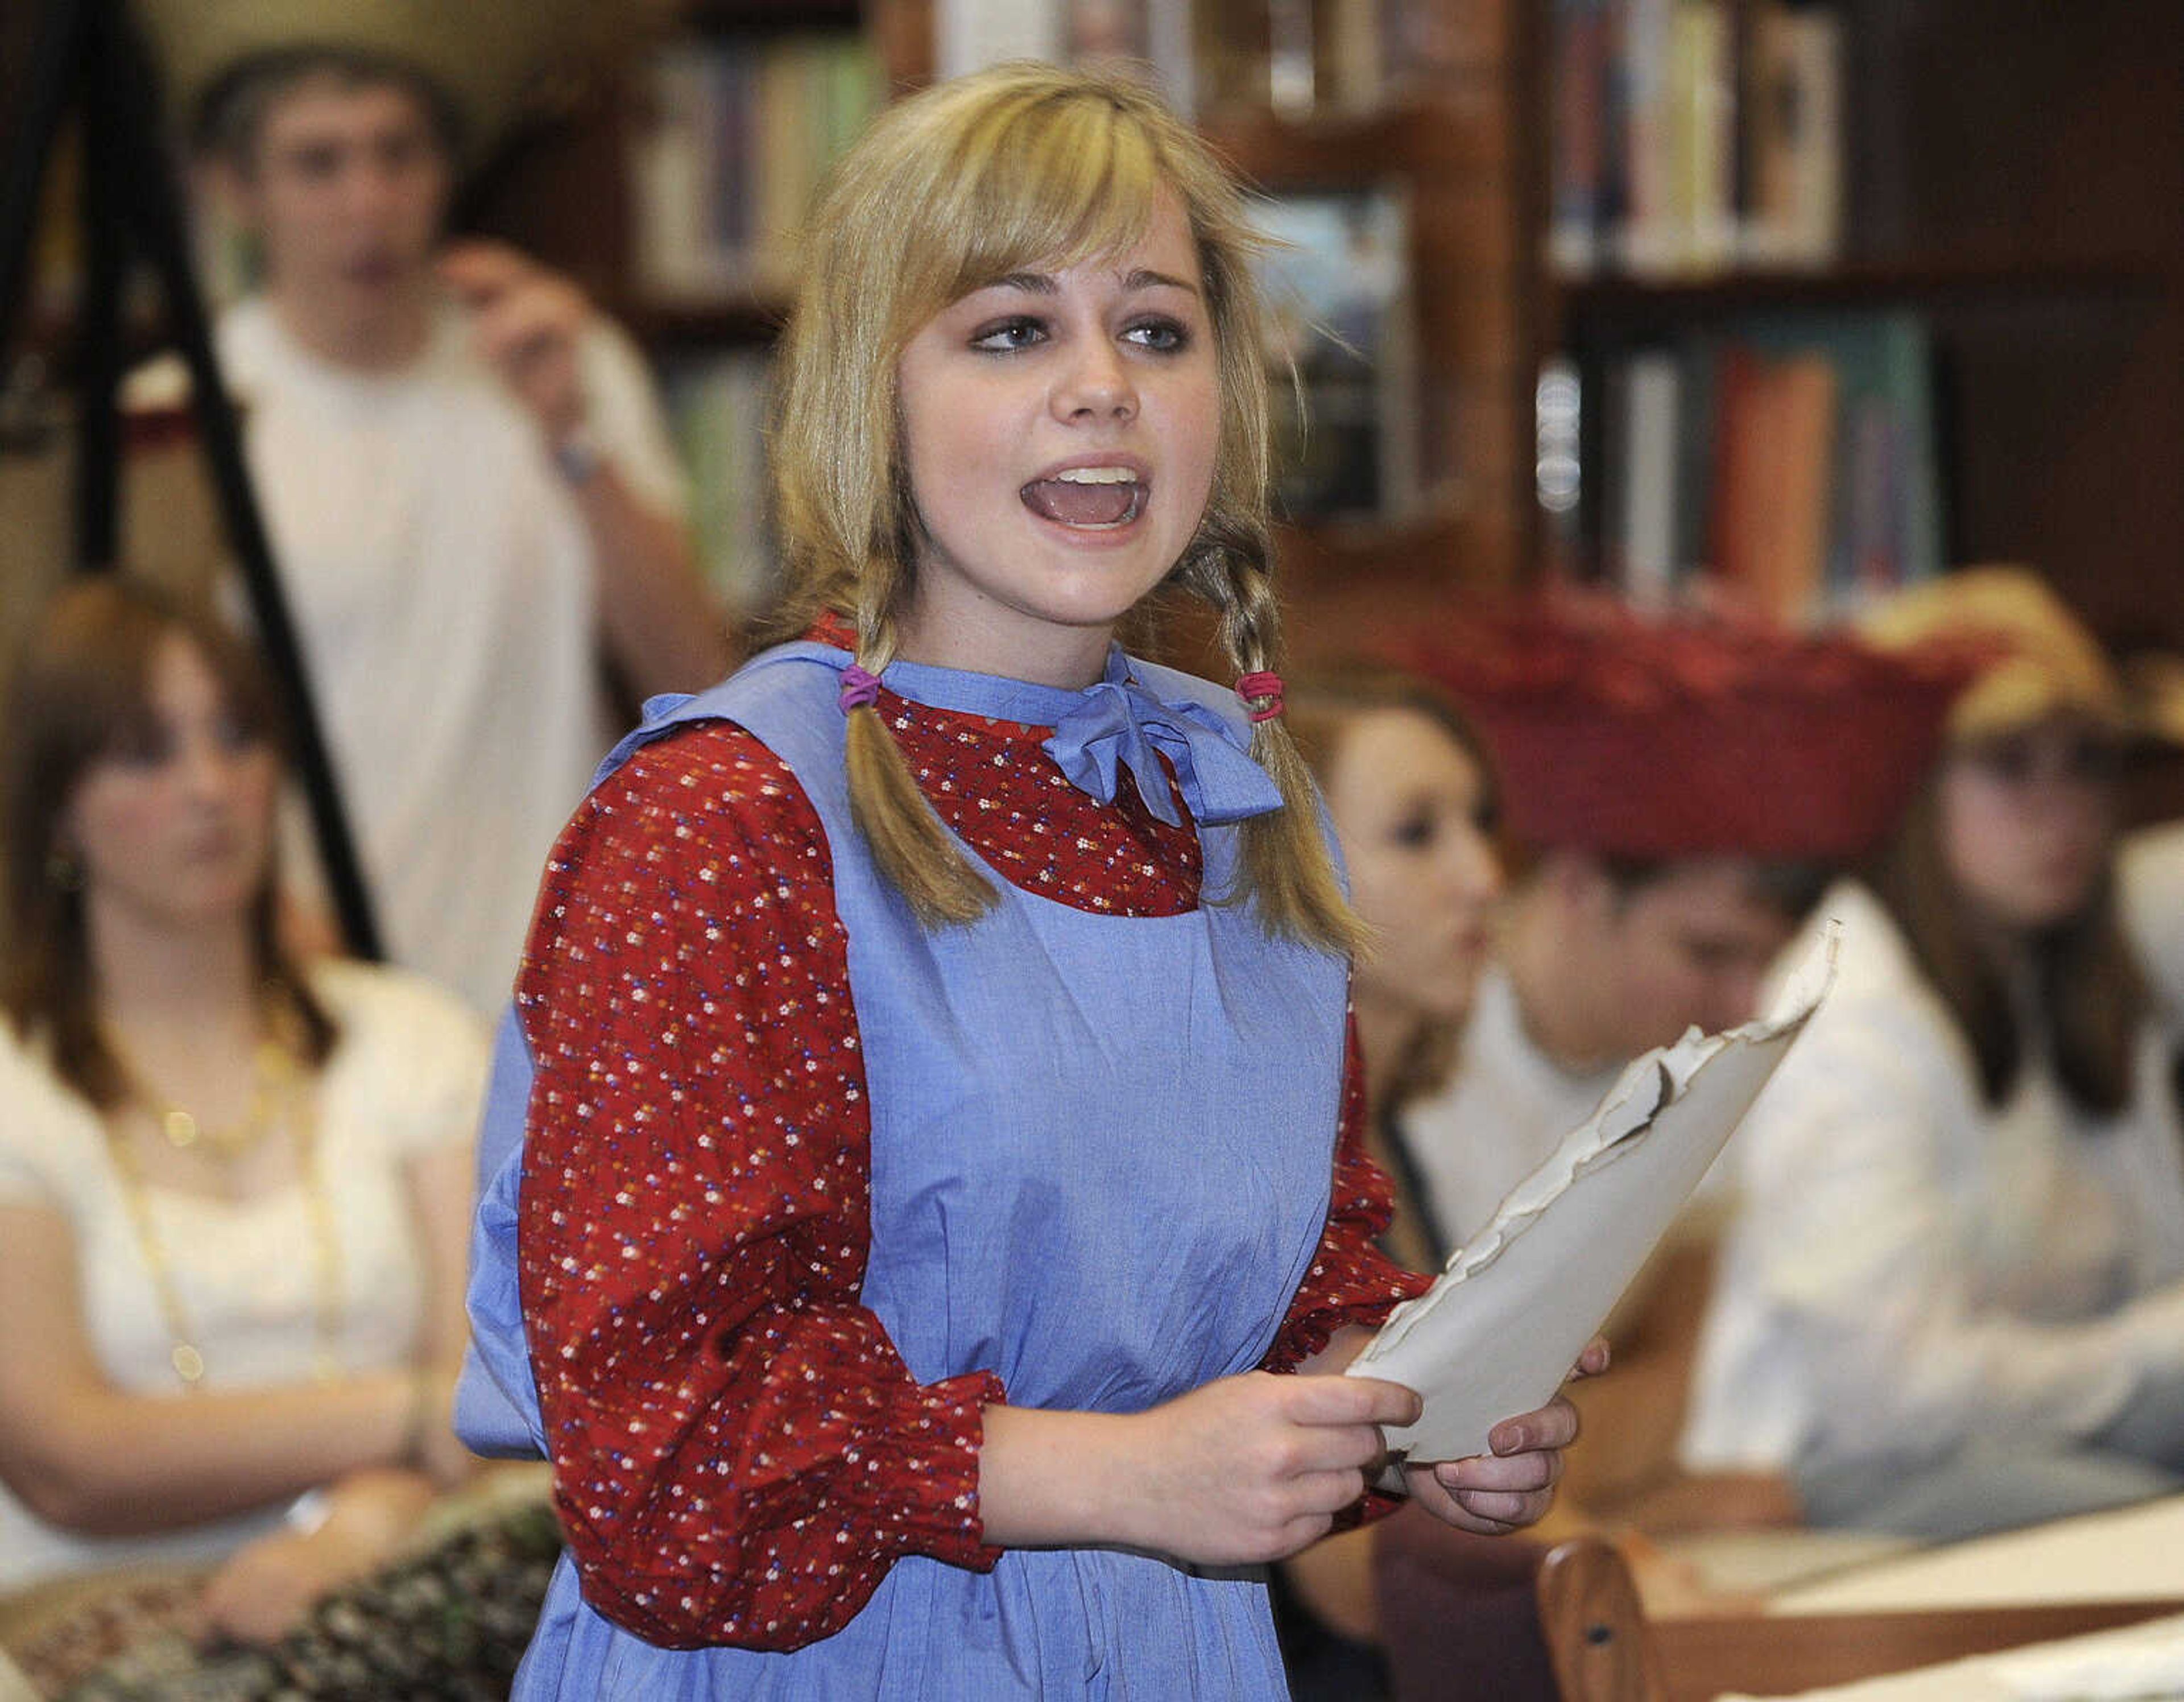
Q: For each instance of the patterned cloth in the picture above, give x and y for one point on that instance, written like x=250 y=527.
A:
x=447 y=1625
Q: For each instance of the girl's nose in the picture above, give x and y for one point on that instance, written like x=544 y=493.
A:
x=1096 y=384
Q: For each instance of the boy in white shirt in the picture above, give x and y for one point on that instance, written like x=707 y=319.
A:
x=470 y=492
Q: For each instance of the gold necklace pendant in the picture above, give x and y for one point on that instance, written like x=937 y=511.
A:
x=272 y=1065
x=187 y=1359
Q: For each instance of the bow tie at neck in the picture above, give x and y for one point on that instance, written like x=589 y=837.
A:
x=1119 y=725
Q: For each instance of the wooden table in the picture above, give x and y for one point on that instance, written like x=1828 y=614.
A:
x=2063 y=1580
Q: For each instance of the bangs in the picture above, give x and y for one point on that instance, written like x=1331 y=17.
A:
x=1044 y=184
x=90 y=680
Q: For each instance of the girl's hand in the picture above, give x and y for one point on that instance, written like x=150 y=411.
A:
x=263 y=1590
x=1495 y=1493
x=1253 y=1468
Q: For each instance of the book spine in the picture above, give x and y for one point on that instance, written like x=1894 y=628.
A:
x=1581 y=49
x=1651 y=401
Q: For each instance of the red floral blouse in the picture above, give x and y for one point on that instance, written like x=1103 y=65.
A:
x=740 y=1452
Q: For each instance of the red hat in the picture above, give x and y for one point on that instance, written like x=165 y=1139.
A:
x=1695 y=735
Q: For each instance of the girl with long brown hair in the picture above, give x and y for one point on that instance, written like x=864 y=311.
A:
x=1953 y=1298
x=233 y=1186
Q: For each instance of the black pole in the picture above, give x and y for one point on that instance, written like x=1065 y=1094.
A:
x=52 y=79
x=153 y=203
x=99 y=324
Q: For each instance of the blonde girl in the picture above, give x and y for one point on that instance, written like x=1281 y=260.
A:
x=937 y=1150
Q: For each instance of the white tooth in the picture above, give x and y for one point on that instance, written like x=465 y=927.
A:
x=1096 y=476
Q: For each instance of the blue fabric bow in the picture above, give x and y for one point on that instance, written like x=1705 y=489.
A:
x=1120 y=724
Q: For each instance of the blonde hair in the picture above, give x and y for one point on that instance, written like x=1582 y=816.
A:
x=1014 y=169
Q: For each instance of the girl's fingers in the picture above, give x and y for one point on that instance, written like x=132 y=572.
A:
x=1351 y=1400
x=1554 y=1426
x=1518 y=1473
x=1327 y=1492
x=1511 y=1510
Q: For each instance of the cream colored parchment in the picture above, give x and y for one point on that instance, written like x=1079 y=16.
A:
x=1502 y=1326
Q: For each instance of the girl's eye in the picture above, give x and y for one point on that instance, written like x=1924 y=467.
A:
x=235 y=733
x=1413 y=833
x=141 y=747
x=1162 y=336
x=1008 y=334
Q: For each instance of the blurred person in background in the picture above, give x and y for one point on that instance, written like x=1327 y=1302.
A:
x=1681 y=789
x=1963 y=1194
x=234 y=1189
x=1414 y=806
x=467 y=480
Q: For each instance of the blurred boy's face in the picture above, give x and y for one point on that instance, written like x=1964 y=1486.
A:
x=1690 y=946
x=345 y=188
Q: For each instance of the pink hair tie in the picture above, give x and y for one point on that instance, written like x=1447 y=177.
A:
x=1266 y=685
x=860 y=690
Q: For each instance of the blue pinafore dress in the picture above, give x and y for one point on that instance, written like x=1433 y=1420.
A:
x=1102 y=1154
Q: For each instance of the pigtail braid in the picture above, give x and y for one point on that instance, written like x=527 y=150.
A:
x=1285 y=864
x=908 y=841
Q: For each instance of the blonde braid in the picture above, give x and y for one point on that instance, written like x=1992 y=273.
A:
x=908 y=841
x=1285 y=864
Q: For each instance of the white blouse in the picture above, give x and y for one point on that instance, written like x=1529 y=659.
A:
x=1907 y=1265
x=405 y=1079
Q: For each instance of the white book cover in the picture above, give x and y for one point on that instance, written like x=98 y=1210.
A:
x=1651 y=396
x=970 y=34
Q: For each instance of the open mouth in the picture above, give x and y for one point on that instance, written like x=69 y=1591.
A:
x=1091 y=499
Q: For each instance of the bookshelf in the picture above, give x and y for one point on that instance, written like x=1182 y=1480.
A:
x=671 y=192
x=2012 y=180
x=1445 y=136
x=1445 y=141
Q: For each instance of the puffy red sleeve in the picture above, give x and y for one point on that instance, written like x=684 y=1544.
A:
x=739 y=1453
x=1351 y=1280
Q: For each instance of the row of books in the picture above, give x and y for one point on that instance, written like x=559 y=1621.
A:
x=1693 y=134
x=1298 y=58
x=1305 y=58
x=1791 y=459
x=717 y=413
x=738 y=131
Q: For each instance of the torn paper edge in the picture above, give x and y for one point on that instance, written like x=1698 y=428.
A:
x=1652 y=1082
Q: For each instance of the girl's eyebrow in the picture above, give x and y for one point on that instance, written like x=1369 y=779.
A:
x=1043 y=283
x=1142 y=279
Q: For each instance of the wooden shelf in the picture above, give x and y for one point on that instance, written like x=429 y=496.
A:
x=1425 y=137
x=673 y=327
x=2012 y=175
x=722 y=15
x=1620 y=298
